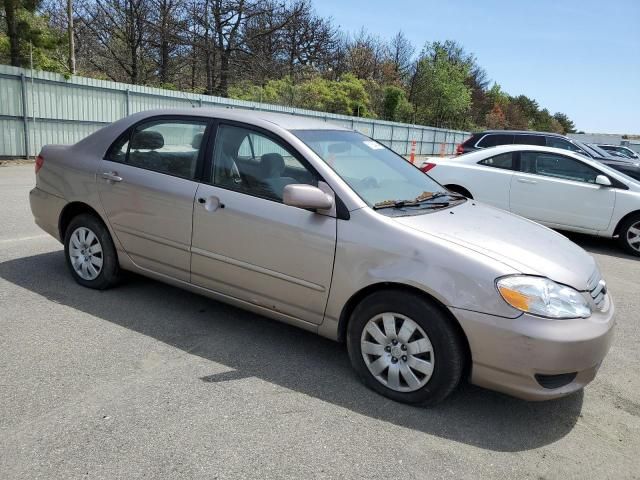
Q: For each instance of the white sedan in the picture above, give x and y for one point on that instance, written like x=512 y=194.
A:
x=555 y=187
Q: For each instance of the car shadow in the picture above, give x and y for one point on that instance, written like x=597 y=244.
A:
x=253 y=346
x=599 y=245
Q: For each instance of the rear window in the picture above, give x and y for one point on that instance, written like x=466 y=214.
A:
x=495 y=139
x=556 y=142
x=530 y=140
x=504 y=160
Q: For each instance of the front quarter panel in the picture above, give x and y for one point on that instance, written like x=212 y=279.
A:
x=375 y=250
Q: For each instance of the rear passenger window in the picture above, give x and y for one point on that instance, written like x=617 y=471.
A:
x=504 y=160
x=167 y=146
x=530 y=140
x=495 y=139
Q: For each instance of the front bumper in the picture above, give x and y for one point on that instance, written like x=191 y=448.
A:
x=507 y=354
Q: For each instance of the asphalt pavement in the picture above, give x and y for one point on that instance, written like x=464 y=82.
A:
x=148 y=381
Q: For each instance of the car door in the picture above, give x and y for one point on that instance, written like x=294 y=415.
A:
x=560 y=191
x=247 y=243
x=490 y=179
x=147 y=185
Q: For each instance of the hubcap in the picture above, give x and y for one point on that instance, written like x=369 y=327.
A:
x=85 y=253
x=633 y=236
x=397 y=352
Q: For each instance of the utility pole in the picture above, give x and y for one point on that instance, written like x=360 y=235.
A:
x=72 y=46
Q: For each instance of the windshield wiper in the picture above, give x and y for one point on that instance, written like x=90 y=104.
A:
x=425 y=200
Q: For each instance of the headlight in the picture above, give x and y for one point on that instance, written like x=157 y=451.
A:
x=543 y=297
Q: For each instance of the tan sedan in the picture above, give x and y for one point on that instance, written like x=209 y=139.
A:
x=328 y=230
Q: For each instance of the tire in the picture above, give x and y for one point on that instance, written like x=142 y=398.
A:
x=628 y=239
x=447 y=356
x=97 y=252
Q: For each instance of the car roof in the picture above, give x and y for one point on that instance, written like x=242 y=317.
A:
x=521 y=132
x=478 y=155
x=283 y=120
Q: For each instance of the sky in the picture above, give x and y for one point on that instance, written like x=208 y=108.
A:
x=579 y=57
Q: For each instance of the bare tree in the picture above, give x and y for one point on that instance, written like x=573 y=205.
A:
x=116 y=38
x=365 y=54
x=309 y=40
x=401 y=53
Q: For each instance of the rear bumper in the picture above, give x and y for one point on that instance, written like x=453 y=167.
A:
x=508 y=354
x=46 y=209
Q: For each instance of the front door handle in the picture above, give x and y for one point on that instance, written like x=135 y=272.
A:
x=526 y=180
x=111 y=177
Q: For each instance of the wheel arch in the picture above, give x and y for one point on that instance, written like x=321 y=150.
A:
x=360 y=295
x=635 y=213
x=72 y=210
x=459 y=189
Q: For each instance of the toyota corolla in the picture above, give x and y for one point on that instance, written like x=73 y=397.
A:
x=326 y=229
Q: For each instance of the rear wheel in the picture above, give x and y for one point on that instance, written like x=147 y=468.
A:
x=405 y=347
x=629 y=235
x=90 y=253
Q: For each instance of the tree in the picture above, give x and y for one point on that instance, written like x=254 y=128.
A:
x=347 y=96
x=496 y=118
x=567 y=125
x=395 y=106
x=364 y=55
x=167 y=23
x=116 y=38
x=441 y=96
x=309 y=40
x=400 y=53
x=71 y=38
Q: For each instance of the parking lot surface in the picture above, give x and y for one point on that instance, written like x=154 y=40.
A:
x=149 y=381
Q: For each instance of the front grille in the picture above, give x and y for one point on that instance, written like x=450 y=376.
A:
x=597 y=288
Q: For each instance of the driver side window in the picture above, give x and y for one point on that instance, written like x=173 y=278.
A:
x=253 y=163
x=557 y=166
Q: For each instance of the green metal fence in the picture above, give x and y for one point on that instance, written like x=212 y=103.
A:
x=48 y=108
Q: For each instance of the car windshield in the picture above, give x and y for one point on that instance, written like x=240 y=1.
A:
x=382 y=178
x=599 y=151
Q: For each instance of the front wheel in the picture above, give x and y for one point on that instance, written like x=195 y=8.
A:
x=405 y=348
x=629 y=238
x=90 y=253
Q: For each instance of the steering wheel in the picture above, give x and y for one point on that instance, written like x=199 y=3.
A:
x=369 y=182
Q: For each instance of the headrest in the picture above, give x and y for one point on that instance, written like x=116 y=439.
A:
x=197 y=140
x=232 y=137
x=271 y=165
x=147 y=140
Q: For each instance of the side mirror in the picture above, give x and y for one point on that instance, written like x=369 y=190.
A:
x=306 y=196
x=603 y=180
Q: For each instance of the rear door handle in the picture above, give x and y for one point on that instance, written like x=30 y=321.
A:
x=211 y=204
x=526 y=180
x=111 y=176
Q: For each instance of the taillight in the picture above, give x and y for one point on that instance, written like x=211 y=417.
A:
x=39 y=162
x=427 y=166
x=460 y=149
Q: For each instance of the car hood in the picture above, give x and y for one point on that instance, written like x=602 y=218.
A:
x=514 y=241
